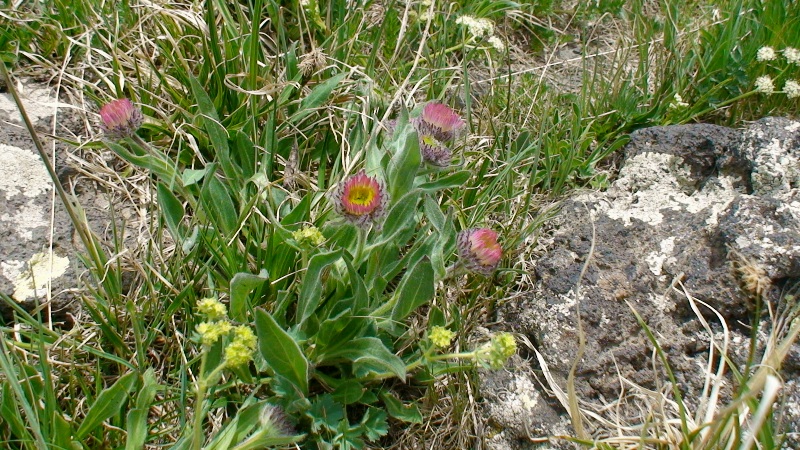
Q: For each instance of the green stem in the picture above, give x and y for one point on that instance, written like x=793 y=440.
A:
x=203 y=382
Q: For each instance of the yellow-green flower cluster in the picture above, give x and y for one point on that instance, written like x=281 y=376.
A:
x=240 y=350
x=441 y=337
x=309 y=235
x=212 y=308
x=211 y=332
x=498 y=350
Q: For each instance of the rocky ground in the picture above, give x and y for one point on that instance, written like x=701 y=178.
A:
x=697 y=212
x=701 y=220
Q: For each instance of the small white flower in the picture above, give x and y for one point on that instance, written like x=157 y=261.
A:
x=792 y=55
x=765 y=54
x=477 y=27
x=497 y=43
x=791 y=89
x=764 y=85
x=678 y=103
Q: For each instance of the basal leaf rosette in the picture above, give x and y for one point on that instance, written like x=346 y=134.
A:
x=479 y=250
x=361 y=200
x=120 y=118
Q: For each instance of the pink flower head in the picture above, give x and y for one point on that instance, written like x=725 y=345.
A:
x=120 y=118
x=361 y=199
x=439 y=121
x=479 y=250
x=434 y=152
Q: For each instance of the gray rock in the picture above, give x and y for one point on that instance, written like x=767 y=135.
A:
x=692 y=204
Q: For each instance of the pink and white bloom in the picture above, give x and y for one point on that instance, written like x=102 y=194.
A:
x=479 y=250
x=439 y=121
x=361 y=199
x=120 y=118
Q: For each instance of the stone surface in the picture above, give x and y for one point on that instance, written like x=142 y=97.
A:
x=702 y=210
x=37 y=260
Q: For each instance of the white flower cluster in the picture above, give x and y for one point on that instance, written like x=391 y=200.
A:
x=765 y=54
x=765 y=84
x=482 y=27
x=792 y=55
x=678 y=103
x=791 y=89
x=477 y=27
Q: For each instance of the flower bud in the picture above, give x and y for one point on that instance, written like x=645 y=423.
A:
x=479 y=250
x=120 y=118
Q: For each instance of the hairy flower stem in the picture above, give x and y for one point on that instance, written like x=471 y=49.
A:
x=203 y=382
x=362 y=239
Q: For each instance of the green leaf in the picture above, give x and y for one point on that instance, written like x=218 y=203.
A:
x=61 y=433
x=136 y=423
x=407 y=413
x=325 y=413
x=405 y=161
x=136 y=428
x=107 y=405
x=434 y=213
x=370 y=355
x=216 y=132
x=317 y=97
x=219 y=206
x=154 y=161
x=311 y=291
x=415 y=289
x=173 y=211
x=401 y=216
x=350 y=391
x=454 y=180
x=241 y=286
x=193 y=176
x=281 y=351
x=374 y=424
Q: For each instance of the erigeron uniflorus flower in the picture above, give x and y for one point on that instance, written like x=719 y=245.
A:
x=792 y=55
x=441 y=337
x=120 y=118
x=477 y=27
x=212 y=308
x=434 y=152
x=309 y=235
x=479 y=250
x=497 y=43
x=791 y=89
x=439 y=121
x=361 y=200
x=765 y=54
x=765 y=85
